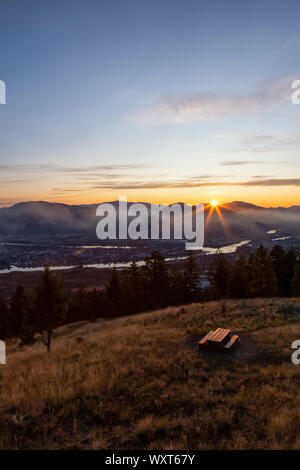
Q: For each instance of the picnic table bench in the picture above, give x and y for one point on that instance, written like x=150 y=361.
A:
x=221 y=338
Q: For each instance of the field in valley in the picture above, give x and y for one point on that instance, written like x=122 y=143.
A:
x=139 y=382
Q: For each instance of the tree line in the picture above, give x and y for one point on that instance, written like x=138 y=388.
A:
x=151 y=286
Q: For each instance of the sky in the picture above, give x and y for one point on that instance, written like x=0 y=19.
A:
x=160 y=101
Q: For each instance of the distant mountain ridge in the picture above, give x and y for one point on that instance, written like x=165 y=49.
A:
x=239 y=219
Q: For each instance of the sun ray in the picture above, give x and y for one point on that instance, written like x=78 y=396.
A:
x=214 y=205
x=226 y=230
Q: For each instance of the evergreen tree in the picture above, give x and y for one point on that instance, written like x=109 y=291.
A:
x=296 y=280
x=278 y=257
x=79 y=306
x=288 y=269
x=114 y=295
x=238 y=285
x=250 y=268
x=95 y=300
x=22 y=317
x=192 y=290
x=177 y=287
x=218 y=276
x=158 y=287
x=50 y=303
x=5 y=327
x=263 y=283
x=283 y=265
x=146 y=300
x=131 y=284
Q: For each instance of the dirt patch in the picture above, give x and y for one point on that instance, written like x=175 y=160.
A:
x=246 y=350
x=253 y=347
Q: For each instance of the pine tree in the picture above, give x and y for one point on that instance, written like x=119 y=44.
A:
x=5 y=327
x=192 y=290
x=78 y=306
x=114 y=295
x=296 y=280
x=177 y=287
x=278 y=257
x=250 y=269
x=289 y=268
x=22 y=316
x=50 y=304
x=218 y=276
x=158 y=286
x=263 y=283
x=146 y=299
x=238 y=287
x=95 y=302
x=131 y=286
x=283 y=265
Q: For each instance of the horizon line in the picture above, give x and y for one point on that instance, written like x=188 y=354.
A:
x=224 y=204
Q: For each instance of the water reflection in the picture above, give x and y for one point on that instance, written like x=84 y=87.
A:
x=209 y=251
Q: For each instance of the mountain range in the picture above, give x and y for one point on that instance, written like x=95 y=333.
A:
x=237 y=219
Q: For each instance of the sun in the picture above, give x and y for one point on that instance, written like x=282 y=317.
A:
x=214 y=203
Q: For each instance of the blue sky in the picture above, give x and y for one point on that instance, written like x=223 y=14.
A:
x=159 y=100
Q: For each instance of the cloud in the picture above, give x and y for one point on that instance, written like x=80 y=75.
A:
x=86 y=180
x=191 y=182
x=66 y=169
x=267 y=143
x=241 y=162
x=65 y=190
x=274 y=182
x=38 y=173
x=209 y=106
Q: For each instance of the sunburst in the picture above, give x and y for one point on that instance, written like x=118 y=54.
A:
x=215 y=205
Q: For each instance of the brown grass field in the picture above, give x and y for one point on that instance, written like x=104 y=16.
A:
x=140 y=383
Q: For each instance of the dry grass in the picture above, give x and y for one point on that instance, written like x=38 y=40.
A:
x=139 y=383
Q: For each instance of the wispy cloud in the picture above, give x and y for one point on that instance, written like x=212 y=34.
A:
x=252 y=162
x=241 y=162
x=274 y=182
x=68 y=169
x=208 y=106
x=266 y=143
x=67 y=175
x=192 y=182
x=66 y=190
x=107 y=177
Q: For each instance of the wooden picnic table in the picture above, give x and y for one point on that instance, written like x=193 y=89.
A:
x=221 y=338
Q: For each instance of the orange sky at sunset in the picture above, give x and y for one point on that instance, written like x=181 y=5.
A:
x=262 y=196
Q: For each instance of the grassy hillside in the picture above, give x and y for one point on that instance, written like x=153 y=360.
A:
x=140 y=383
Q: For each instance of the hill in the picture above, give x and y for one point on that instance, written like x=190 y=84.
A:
x=139 y=382
x=239 y=220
